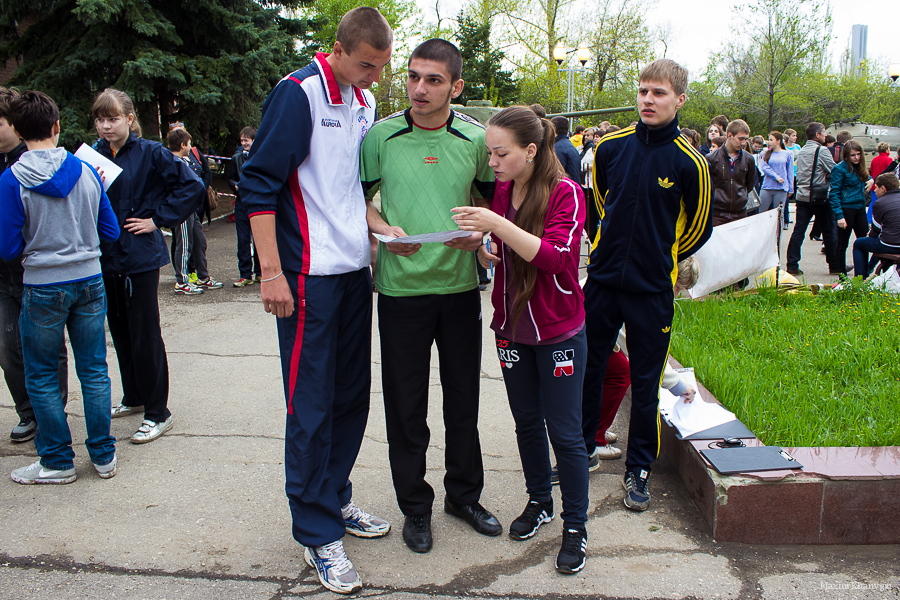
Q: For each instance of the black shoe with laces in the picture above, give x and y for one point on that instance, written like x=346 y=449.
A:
x=571 y=554
x=417 y=533
x=534 y=515
x=24 y=431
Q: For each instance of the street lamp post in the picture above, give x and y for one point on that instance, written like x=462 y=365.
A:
x=894 y=73
x=559 y=55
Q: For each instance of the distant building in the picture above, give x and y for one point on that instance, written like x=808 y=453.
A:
x=859 y=39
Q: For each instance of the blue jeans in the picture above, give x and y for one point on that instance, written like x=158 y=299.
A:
x=861 y=249
x=47 y=311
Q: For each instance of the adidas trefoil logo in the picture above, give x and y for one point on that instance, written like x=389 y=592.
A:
x=665 y=183
x=666 y=329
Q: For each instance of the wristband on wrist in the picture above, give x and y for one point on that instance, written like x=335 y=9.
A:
x=280 y=273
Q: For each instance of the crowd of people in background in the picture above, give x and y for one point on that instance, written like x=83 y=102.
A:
x=305 y=221
x=752 y=174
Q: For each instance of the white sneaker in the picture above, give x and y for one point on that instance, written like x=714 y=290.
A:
x=109 y=470
x=361 y=524
x=334 y=569
x=611 y=437
x=608 y=452
x=150 y=430
x=121 y=410
x=35 y=473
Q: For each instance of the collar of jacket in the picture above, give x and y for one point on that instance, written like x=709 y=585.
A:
x=330 y=83
x=104 y=144
x=561 y=137
x=658 y=136
x=14 y=154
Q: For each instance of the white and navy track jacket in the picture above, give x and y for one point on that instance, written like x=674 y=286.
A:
x=304 y=169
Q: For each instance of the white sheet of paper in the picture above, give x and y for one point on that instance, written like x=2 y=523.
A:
x=667 y=400
x=110 y=169
x=694 y=416
x=424 y=238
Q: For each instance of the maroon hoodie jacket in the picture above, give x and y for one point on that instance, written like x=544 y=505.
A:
x=557 y=305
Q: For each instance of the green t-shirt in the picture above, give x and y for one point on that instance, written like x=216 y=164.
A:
x=422 y=174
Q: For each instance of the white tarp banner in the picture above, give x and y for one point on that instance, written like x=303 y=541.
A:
x=737 y=250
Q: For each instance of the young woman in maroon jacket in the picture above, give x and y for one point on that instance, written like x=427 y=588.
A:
x=536 y=219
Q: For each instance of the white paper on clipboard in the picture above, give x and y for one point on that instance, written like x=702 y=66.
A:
x=423 y=238
x=110 y=169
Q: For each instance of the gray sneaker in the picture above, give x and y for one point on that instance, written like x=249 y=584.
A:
x=121 y=410
x=24 y=431
x=594 y=460
x=150 y=430
x=361 y=524
x=35 y=473
x=108 y=471
x=334 y=569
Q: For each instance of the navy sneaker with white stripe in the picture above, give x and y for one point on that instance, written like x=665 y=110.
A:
x=571 y=555
x=637 y=489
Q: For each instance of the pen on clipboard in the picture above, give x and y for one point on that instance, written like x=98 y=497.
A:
x=488 y=242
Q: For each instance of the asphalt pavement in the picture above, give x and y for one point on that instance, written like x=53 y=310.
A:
x=201 y=512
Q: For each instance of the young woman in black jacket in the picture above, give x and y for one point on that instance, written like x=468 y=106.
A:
x=155 y=189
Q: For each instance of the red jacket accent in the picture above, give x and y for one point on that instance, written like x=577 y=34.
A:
x=557 y=305
x=879 y=164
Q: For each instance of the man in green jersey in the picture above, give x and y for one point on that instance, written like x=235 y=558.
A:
x=426 y=160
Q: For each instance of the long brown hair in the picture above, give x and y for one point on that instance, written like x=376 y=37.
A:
x=115 y=103
x=859 y=170
x=527 y=128
x=780 y=138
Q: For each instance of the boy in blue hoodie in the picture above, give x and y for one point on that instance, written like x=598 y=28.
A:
x=55 y=212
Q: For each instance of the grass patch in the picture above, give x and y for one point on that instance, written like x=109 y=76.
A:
x=799 y=369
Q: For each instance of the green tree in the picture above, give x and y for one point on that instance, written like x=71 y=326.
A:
x=778 y=46
x=207 y=63
x=485 y=79
x=404 y=18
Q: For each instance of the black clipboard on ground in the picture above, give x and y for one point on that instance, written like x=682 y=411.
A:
x=731 y=429
x=749 y=459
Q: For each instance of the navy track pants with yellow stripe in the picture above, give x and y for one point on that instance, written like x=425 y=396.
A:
x=648 y=324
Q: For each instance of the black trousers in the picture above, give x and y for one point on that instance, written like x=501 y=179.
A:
x=648 y=321
x=856 y=223
x=133 y=318
x=806 y=211
x=408 y=327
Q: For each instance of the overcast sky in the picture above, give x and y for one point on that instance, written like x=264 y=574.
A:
x=691 y=46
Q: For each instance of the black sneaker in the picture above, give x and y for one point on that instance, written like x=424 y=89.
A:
x=571 y=554
x=637 y=489
x=24 y=431
x=534 y=515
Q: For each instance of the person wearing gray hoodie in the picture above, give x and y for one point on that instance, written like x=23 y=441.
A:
x=55 y=212
x=11 y=271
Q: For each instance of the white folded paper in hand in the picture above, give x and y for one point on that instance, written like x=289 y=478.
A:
x=690 y=418
x=110 y=169
x=424 y=238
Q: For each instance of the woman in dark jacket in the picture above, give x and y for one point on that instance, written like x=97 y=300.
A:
x=155 y=189
x=847 y=196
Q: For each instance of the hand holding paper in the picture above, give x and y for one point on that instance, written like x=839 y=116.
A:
x=107 y=168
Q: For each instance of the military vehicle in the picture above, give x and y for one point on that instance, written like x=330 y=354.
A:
x=868 y=136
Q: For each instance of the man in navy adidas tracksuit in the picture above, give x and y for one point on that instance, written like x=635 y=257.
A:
x=653 y=194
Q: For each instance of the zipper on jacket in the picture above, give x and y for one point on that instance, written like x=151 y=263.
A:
x=634 y=215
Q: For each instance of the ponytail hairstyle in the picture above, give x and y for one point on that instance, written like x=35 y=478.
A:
x=778 y=136
x=526 y=127
x=115 y=103
x=859 y=170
